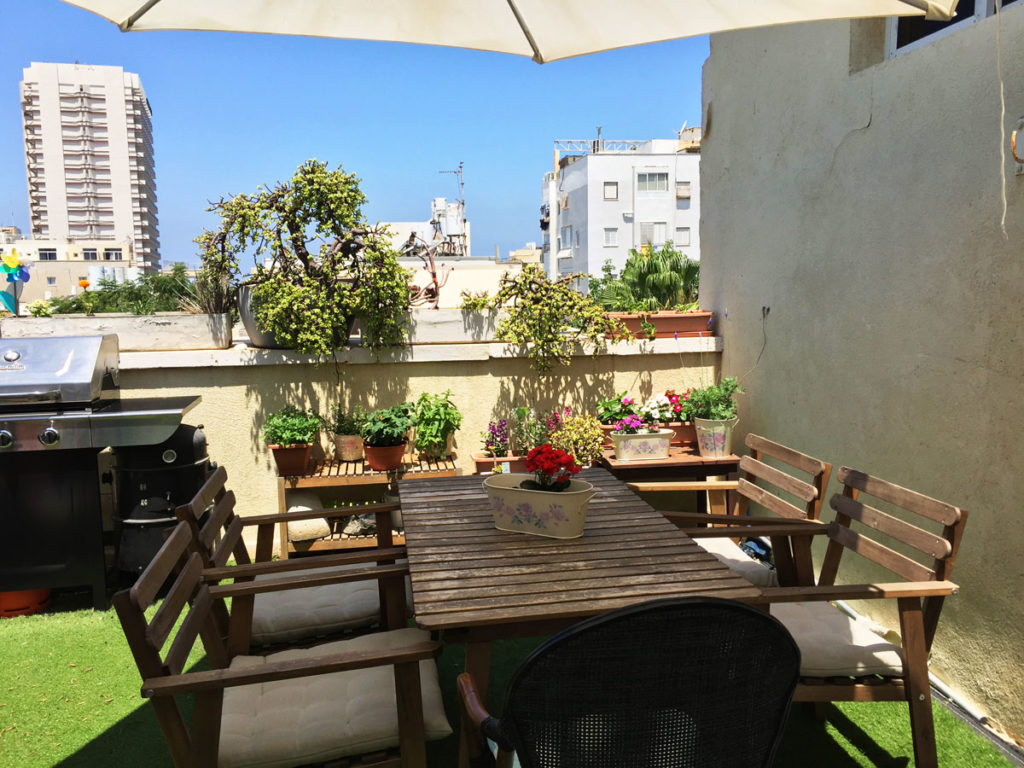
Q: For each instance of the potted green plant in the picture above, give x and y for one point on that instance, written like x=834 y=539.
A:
x=546 y=502
x=550 y=319
x=437 y=418
x=385 y=434
x=346 y=428
x=580 y=436
x=289 y=433
x=318 y=264
x=497 y=455
x=715 y=415
x=655 y=296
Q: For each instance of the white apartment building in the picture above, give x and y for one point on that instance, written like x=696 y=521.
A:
x=606 y=197
x=89 y=158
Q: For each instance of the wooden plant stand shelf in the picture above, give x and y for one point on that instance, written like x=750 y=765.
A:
x=334 y=474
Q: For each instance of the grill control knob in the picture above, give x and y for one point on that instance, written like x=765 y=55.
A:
x=6 y=439
x=49 y=437
x=11 y=355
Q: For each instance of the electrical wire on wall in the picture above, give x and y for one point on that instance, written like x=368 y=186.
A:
x=764 y=340
x=1002 y=114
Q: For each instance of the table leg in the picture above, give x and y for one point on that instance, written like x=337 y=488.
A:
x=478 y=664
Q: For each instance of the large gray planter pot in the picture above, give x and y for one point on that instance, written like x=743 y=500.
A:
x=135 y=333
x=445 y=326
x=257 y=337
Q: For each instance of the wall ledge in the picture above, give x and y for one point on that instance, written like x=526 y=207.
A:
x=242 y=355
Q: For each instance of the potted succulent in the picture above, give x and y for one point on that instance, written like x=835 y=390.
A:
x=714 y=416
x=346 y=427
x=547 y=502
x=635 y=439
x=580 y=436
x=290 y=433
x=437 y=418
x=385 y=434
x=655 y=296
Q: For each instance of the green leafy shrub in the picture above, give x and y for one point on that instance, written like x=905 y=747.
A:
x=581 y=436
x=291 y=426
x=615 y=409
x=346 y=422
x=717 y=401
x=437 y=417
x=528 y=431
x=650 y=280
x=475 y=301
x=149 y=294
x=389 y=426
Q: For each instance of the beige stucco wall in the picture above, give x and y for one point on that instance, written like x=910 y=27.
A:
x=238 y=389
x=864 y=210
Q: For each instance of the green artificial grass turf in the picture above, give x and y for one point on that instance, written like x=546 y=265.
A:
x=69 y=696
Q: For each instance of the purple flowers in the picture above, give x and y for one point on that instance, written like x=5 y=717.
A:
x=496 y=438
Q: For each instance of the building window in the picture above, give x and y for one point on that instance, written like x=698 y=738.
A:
x=47 y=254
x=611 y=190
x=565 y=238
x=89 y=254
x=111 y=254
x=611 y=237
x=909 y=32
x=653 y=233
x=51 y=281
x=683 y=189
x=682 y=236
x=652 y=182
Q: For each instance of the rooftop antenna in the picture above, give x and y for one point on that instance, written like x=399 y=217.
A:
x=462 y=198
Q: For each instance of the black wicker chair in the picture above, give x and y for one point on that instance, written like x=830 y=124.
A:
x=701 y=682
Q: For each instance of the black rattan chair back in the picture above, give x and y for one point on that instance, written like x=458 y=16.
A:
x=695 y=682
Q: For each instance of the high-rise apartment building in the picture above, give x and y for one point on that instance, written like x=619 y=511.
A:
x=89 y=158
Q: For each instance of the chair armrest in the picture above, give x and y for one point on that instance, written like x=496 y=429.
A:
x=684 y=485
x=312 y=514
x=471 y=701
x=857 y=592
x=212 y=575
x=484 y=725
x=300 y=581
x=700 y=517
x=218 y=679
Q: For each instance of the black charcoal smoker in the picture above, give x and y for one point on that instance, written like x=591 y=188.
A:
x=59 y=407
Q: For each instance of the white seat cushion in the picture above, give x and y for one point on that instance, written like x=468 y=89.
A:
x=728 y=552
x=295 y=614
x=318 y=718
x=834 y=645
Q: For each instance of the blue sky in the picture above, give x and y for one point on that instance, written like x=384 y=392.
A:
x=233 y=111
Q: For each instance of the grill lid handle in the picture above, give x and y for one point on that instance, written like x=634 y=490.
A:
x=36 y=396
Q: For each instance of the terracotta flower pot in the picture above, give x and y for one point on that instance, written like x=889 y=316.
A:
x=685 y=432
x=608 y=429
x=667 y=323
x=292 y=460
x=508 y=462
x=384 y=458
x=348 y=447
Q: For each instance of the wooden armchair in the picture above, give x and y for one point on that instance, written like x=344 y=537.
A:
x=843 y=661
x=325 y=606
x=285 y=709
x=793 y=497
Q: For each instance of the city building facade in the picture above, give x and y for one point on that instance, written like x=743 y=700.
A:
x=605 y=198
x=89 y=160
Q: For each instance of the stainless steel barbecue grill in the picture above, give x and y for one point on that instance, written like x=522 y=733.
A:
x=59 y=406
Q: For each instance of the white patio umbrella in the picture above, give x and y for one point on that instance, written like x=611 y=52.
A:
x=545 y=30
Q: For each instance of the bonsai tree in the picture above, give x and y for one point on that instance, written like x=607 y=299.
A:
x=437 y=417
x=318 y=263
x=651 y=280
x=291 y=426
x=718 y=401
x=549 y=318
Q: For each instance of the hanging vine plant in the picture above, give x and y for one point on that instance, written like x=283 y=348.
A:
x=318 y=263
x=550 y=318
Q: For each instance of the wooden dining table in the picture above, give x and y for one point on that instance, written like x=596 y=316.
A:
x=476 y=584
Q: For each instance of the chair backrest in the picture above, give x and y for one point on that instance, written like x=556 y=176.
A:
x=772 y=488
x=683 y=681
x=920 y=554
x=216 y=529
x=146 y=637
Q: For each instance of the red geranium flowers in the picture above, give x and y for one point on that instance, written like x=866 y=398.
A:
x=552 y=468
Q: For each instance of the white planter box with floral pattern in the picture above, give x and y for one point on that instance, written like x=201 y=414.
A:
x=559 y=515
x=642 y=446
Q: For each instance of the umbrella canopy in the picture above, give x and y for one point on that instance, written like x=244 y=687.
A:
x=545 y=30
